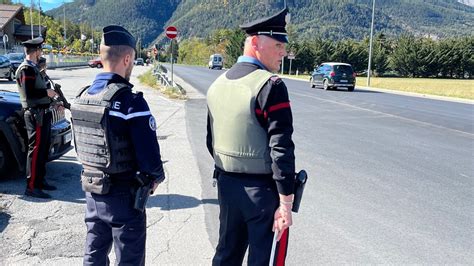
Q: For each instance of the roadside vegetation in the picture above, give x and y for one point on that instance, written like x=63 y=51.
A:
x=442 y=87
x=458 y=88
x=149 y=79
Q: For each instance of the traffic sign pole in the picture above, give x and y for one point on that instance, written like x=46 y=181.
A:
x=171 y=32
x=172 y=84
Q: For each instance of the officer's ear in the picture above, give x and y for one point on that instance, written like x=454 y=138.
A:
x=128 y=59
x=254 y=41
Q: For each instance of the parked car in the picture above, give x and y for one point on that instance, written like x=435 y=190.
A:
x=15 y=59
x=6 y=70
x=333 y=75
x=95 y=62
x=139 y=62
x=13 y=136
x=216 y=61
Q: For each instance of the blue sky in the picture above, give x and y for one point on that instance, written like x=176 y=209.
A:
x=45 y=4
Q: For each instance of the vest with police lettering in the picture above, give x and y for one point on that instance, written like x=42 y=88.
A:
x=97 y=147
x=240 y=143
x=40 y=84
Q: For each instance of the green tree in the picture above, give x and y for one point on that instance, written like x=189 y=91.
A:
x=304 y=56
x=234 y=47
x=380 y=54
x=193 y=52
x=403 y=58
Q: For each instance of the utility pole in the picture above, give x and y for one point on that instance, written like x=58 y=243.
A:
x=31 y=18
x=370 y=45
x=39 y=18
x=64 y=22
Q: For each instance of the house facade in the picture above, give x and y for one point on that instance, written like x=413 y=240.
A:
x=13 y=30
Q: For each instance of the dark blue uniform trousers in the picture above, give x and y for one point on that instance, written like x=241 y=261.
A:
x=247 y=208
x=111 y=218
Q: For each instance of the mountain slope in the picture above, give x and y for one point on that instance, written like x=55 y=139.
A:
x=143 y=18
x=334 y=19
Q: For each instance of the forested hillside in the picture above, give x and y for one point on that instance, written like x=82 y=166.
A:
x=144 y=18
x=333 y=19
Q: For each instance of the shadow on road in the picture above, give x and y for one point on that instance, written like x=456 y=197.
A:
x=176 y=202
x=62 y=173
x=4 y=218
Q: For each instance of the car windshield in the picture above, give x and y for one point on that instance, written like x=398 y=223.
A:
x=16 y=57
x=343 y=69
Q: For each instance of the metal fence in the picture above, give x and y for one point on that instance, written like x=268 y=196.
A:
x=59 y=60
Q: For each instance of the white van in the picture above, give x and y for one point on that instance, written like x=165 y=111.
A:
x=216 y=61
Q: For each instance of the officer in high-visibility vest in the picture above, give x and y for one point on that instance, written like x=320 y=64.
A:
x=35 y=99
x=249 y=133
x=116 y=142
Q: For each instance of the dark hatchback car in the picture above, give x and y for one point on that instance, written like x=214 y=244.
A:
x=13 y=136
x=15 y=59
x=333 y=75
x=6 y=70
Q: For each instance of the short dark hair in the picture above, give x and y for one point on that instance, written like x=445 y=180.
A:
x=114 y=53
x=30 y=50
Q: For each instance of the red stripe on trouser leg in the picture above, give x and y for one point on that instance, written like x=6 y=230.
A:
x=282 y=248
x=31 y=183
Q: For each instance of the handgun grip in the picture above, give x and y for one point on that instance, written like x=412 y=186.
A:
x=300 y=181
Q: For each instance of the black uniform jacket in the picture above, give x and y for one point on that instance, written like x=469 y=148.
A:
x=27 y=80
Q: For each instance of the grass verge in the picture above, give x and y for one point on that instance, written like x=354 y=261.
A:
x=148 y=79
x=458 y=88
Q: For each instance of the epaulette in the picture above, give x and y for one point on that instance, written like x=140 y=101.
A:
x=275 y=79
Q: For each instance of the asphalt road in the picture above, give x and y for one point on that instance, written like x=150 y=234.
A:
x=391 y=176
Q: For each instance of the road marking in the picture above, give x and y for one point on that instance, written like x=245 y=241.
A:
x=390 y=115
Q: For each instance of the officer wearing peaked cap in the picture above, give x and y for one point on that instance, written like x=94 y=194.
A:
x=35 y=98
x=252 y=147
x=115 y=136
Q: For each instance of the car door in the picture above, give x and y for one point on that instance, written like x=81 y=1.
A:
x=4 y=67
x=318 y=76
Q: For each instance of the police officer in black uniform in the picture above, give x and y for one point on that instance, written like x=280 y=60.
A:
x=35 y=98
x=115 y=136
x=249 y=136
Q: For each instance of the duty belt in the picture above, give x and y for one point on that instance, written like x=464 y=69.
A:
x=115 y=179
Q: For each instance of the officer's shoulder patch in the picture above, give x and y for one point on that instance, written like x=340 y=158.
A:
x=152 y=123
x=275 y=80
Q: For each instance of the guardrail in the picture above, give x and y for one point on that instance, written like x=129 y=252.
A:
x=161 y=73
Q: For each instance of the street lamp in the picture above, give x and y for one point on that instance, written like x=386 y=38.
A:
x=370 y=45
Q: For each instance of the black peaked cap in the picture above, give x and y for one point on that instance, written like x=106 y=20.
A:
x=273 y=26
x=34 y=43
x=118 y=35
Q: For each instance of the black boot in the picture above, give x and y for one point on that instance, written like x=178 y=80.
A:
x=37 y=193
x=47 y=186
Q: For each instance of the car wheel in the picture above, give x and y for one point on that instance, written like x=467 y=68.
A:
x=11 y=77
x=99 y=65
x=326 y=85
x=6 y=159
x=351 y=88
x=311 y=83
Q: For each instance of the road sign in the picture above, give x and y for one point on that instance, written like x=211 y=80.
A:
x=291 y=56
x=171 y=32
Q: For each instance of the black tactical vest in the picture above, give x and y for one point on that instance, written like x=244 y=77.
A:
x=40 y=84
x=97 y=147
